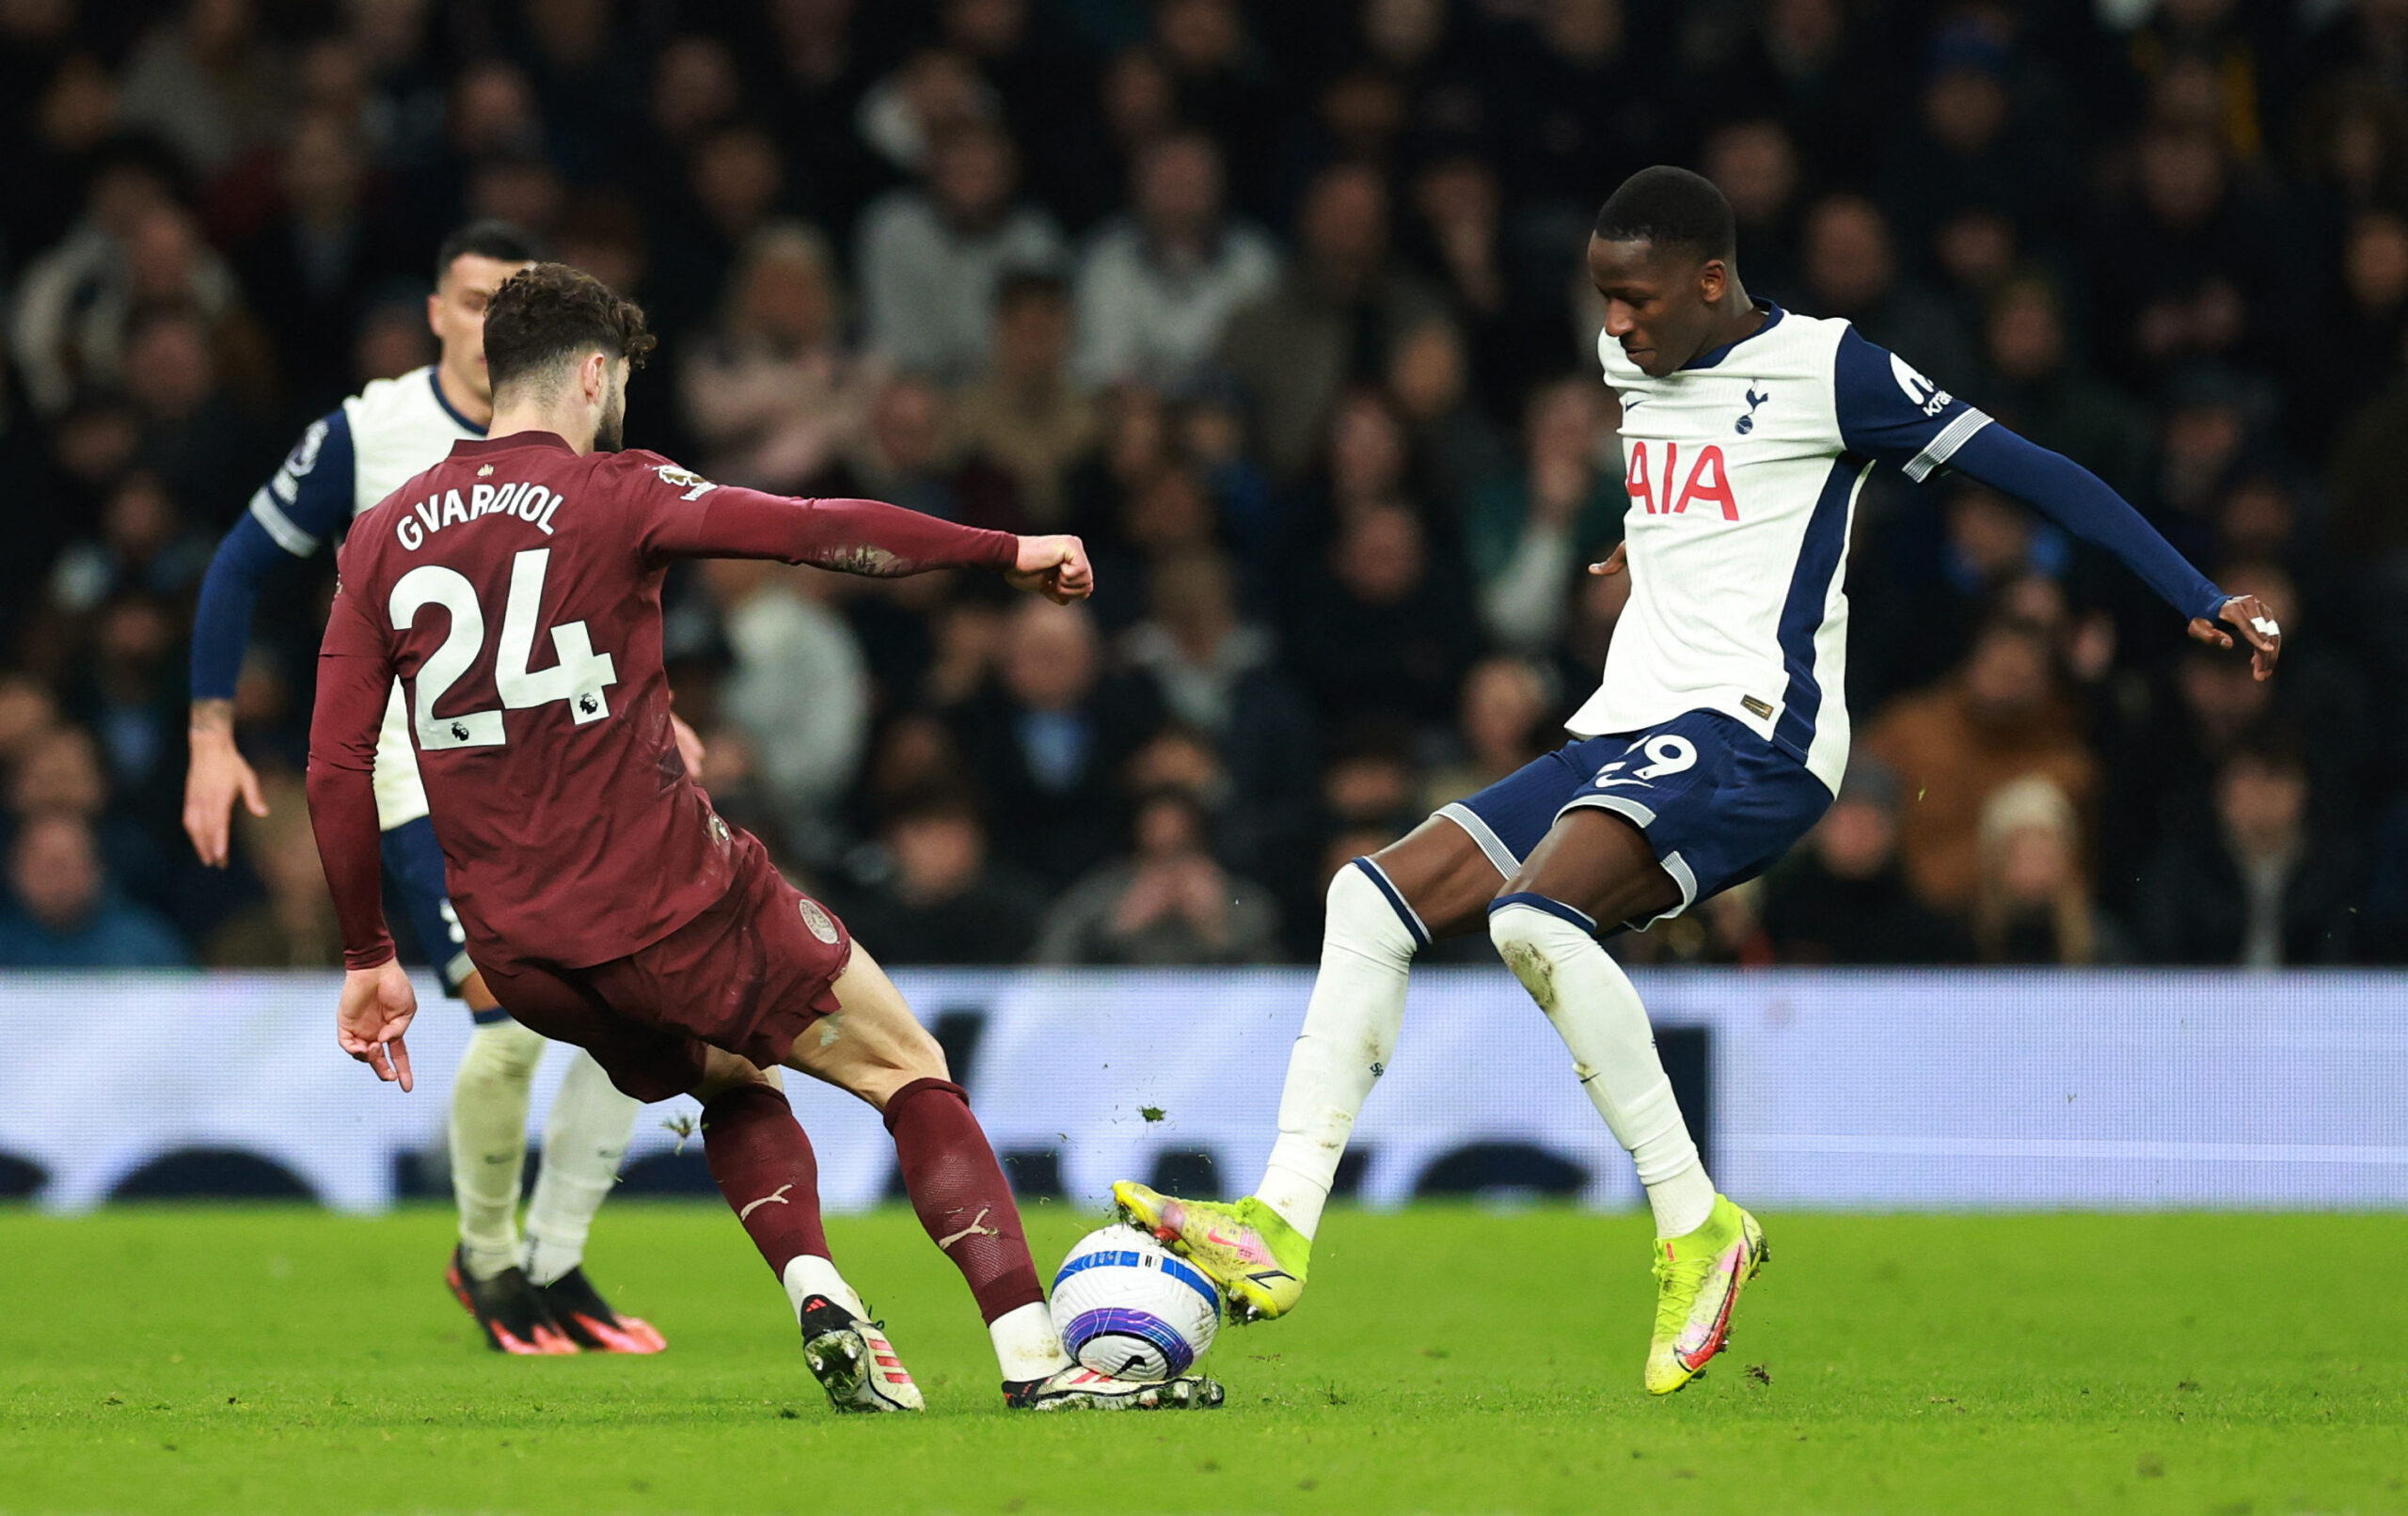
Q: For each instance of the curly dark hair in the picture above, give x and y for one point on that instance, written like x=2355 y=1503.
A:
x=550 y=311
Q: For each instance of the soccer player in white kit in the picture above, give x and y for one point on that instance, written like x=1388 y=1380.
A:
x=533 y=1299
x=1717 y=739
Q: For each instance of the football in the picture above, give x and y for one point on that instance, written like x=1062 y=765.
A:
x=1126 y=1306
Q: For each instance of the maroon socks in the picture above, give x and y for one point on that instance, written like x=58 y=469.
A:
x=958 y=1190
x=763 y=1164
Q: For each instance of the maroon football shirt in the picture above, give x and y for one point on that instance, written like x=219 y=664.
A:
x=515 y=590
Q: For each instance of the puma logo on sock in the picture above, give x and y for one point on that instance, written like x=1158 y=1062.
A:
x=973 y=1229
x=778 y=1198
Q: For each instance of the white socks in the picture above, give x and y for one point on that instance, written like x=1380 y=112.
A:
x=1350 y=1032
x=585 y=1138
x=808 y=1274
x=1598 y=1015
x=490 y=1142
x=1358 y=1007
x=1027 y=1345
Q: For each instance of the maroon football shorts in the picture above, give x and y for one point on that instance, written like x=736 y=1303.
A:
x=748 y=975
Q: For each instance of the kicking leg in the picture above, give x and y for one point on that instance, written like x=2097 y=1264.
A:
x=1595 y=866
x=1381 y=910
x=875 y=1048
x=766 y=1170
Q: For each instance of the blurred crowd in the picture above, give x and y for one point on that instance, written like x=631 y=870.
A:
x=1281 y=304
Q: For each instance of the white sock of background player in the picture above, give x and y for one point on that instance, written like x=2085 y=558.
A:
x=1350 y=1026
x=585 y=1138
x=488 y=1132
x=1599 y=1016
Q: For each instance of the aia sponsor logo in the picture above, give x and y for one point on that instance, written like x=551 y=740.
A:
x=1708 y=482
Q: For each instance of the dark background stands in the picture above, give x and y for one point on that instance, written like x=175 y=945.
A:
x=1341 y=485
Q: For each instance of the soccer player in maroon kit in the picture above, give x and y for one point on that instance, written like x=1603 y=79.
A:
x=515 y=588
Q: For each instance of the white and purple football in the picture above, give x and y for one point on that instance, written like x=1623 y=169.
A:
x=1128 y=1306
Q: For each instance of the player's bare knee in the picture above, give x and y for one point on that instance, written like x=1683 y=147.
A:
x=912 y=1056
x=877 y=1088
x=723 y=1071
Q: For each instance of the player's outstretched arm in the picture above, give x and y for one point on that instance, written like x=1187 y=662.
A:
x=1885 y=409
x=689 y=516
x=289 y=517
x=2081 y=502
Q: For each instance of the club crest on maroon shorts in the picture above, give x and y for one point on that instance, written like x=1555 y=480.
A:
x=818 y=920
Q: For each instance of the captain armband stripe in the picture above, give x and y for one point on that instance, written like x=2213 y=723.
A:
x=1943 y=447
x=288 y=536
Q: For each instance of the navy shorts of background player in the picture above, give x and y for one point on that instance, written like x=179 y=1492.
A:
x=1717 y=803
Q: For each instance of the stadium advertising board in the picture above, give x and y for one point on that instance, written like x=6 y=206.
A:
x=1891 y=1091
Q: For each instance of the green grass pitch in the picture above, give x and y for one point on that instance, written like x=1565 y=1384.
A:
x=1445 y=1360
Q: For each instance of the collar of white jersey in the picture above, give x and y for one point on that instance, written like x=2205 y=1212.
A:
x=434 y=382
x=1708 y=360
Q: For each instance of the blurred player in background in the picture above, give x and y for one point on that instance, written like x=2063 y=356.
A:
x=535 y=1300
x=515 y=588
x=1717 y=739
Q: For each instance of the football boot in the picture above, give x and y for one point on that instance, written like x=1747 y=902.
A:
x=510 y=1309
x=1697 y=1280
x=853 y=1360
x=587 y=1318
x=1245 y=1247
x=1079 y=1388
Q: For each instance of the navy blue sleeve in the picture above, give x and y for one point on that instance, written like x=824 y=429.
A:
x=2080 y=501
x=221 y=623
x=292 y=515
x=312 y=495
x=1888 y=411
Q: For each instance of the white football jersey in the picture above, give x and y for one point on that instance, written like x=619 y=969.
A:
x=1743 y=469
x=350 y=460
